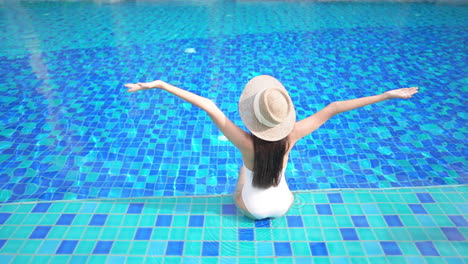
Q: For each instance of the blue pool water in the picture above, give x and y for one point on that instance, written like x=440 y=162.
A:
x=70 y=131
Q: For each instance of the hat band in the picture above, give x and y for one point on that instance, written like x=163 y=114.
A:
x=258 y=113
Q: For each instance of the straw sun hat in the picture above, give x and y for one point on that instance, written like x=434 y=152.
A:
x=266 y=108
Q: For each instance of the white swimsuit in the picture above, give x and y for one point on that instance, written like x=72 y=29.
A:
x=270 y=202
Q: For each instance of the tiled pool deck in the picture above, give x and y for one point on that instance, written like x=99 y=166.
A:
x=395 y=225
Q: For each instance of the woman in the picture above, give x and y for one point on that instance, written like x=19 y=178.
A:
x=268 y=112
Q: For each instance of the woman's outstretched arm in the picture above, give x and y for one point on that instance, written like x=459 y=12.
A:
x=235 y=134
x=310 y=124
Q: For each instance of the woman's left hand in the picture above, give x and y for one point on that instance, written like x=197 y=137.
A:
x=134 y=87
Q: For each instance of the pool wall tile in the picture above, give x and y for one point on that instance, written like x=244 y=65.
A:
x=223 y=235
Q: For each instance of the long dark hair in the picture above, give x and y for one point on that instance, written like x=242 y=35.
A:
x=268 y=161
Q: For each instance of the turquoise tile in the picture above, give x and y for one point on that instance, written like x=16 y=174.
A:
x=336 y=249
x=396 y=259
x=180 y=221
x=402 y=208
x=23 y=232
x=355 y=209
x=82 y=219
x=417 y=234
x=409 y=248
x=123 y=247
x=280 y=234
x=195 y=233
x=72 y=208
x=366 y=234
x=103 y=208
x=265 y=249
x=25 y=208
x=98 y=259
x=12 y=246
x=161 y=234
x=435 y=234
x=112 y=220
x=180 y=234
x=300 y=249
x=322 y=260
x=24 y=259
x=400 y=234
x=57 y=208
x=311 y=221
x=450 y=209
x=92 y=232
x=109 y=233
x=314 y=234
x=359 y=260
x=383 y=234
x=75 y=232
x=139 y=248
x=445 y=248
x=433 y=208
x=30 y=247
x=339 y=209
x=387 y=208
x=432 y=260
x=378 y=260
x=332 y=234
x=85 y=247
x=57 y=232
x=39 y=259
x=297 y=234
x=354 y=249
x=193 y=248
x=227 y=248
x=51 y=219
x=247 y=248
x=327 y=221
x=376 y=221
x=48 y=247
x=344 y=221
x=442 y=220
x=409 y=220
x=131 y=220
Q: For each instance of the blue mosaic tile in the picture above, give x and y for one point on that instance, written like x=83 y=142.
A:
x=210 y=249
x=197 y=221
x=393 y=220
x=324 y=209
x=425 y=198
x=417 y=208
x=390 y=248
x=98 y=220
x=282 y=249
x=246 y=234
x=135 y=208
x=318 y=249
x=67 y=247
x=349 y=234
x=459 y=220
x=359 y=221
x=103 y=247
x=82 y=142
x=427 y=248
x=453 y=234
x=66 y=219
x=40 y=232
x=164 y=220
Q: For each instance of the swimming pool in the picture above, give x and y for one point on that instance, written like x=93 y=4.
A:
x=70 y=131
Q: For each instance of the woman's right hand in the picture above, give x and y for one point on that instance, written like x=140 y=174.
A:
x=134 y=87
x=403 y=93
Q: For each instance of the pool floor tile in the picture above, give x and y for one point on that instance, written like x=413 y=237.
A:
x=127 y=232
